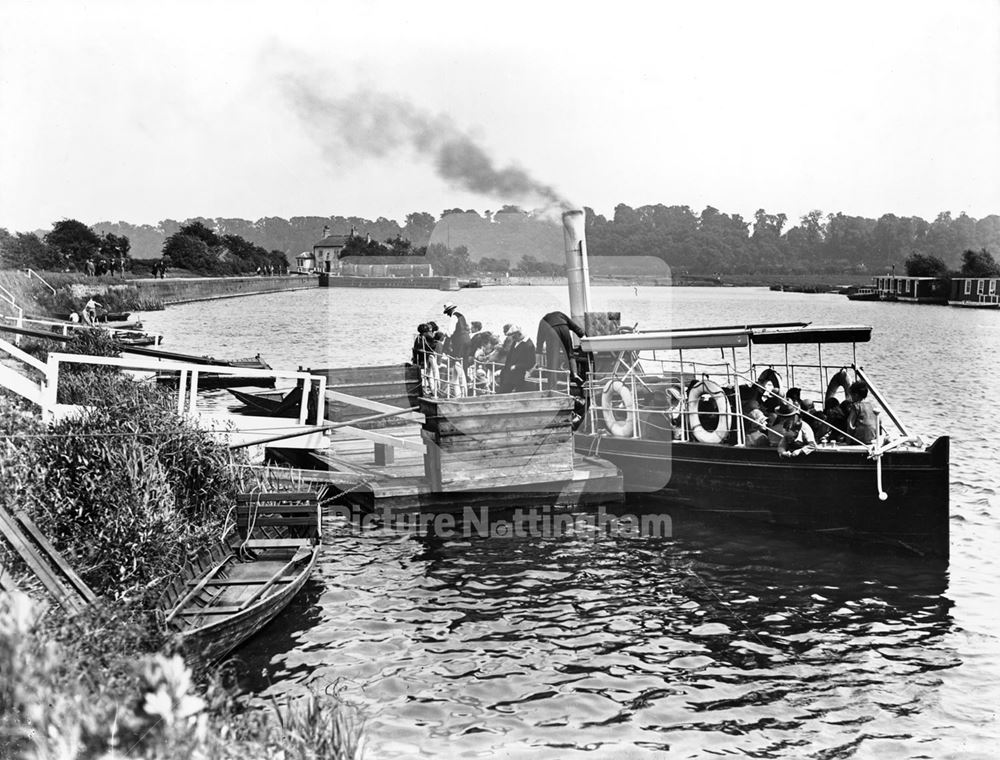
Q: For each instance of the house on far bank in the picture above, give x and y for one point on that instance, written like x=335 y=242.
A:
x=326 y=253
x=305 y=263
x=975 y=292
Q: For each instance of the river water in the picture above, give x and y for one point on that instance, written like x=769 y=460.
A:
x=718 y=641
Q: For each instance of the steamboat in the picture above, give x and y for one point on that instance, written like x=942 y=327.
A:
x=670 y=408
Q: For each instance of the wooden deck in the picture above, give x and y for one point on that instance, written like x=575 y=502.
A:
x=348 y=470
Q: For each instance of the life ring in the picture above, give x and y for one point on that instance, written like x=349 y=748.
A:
x=701 y=392
x=841 y=382
x=618 y=428
x=769 y=376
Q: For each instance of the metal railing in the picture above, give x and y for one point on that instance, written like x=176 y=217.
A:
x=32 y=273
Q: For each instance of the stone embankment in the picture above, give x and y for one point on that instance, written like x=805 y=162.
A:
x=184 y=289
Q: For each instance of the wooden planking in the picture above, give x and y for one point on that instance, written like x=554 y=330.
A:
x=502 y=440
x=81 y=588
x=508 y=403
x=405 y=373
x=277 y=543
x=513 y=422
x=38 y=561
x=202 y=582
x=260 y=497
x=504 y=456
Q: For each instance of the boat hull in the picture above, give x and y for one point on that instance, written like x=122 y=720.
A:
x=210 y=643
x=831 y=491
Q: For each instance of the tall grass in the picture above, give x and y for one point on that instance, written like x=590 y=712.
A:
x=126 y=492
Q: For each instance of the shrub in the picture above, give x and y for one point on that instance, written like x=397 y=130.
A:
x=128 y=488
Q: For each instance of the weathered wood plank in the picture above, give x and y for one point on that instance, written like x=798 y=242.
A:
x=500 y=440
x=203 y=581
x=491 y=456
x=510 y=423
x=275 y=496
x=74 y=580
x=67 y=597
x=508 y=403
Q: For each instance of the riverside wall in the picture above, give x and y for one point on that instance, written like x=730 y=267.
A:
x=185 y=289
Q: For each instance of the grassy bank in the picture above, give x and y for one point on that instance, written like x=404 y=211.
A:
x=72 y=291
x=126 y=492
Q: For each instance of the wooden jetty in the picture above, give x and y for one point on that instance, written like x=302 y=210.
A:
x=503 y=452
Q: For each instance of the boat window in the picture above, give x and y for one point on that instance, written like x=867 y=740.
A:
x=982 y=287
x=993 y=287
x=968 y=287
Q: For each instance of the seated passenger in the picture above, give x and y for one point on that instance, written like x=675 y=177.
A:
x=862 y=422
x=835 y=421
x=797 y=439
x=755 y=421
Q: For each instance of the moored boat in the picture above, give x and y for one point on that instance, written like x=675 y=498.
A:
x=674 y=418
x=863 y=294
x=224 y=596
x=210 y=380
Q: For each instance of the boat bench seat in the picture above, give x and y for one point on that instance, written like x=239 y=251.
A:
x=277 y=543
x=261 y=515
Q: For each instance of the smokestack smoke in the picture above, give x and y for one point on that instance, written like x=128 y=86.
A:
x=375 y=124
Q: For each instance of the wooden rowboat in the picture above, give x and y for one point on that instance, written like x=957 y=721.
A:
x=209 y=380
x=230 y=592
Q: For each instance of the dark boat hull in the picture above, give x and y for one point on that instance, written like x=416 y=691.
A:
x=830 y=492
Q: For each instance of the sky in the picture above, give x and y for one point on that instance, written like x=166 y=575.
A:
x=142 y=111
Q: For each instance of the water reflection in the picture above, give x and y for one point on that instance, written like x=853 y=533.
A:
x=581 y=641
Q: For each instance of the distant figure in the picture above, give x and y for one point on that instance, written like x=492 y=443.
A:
x=862 y=421
x=555 y=340
x=636 y=289
x=90 y=311
x=91 y=267
x=519 y=361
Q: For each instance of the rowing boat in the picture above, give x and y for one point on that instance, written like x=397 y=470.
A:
x=231 y=591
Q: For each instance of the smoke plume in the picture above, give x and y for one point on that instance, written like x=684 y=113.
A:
x=374 y=124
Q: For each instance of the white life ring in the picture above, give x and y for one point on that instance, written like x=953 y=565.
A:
x=618 y=428
x=701 y=391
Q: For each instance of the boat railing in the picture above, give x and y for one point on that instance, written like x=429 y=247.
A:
x=444 y=376
x=645 y=397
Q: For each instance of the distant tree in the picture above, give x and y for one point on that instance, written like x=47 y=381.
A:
x=979 y=264
x=26 y=249
x=114 y=246
x=190 y=252
x=419 y=226
x=74 y=242
x=198 y=230
x=921 y=265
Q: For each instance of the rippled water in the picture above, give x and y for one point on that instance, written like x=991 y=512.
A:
x=722 y=640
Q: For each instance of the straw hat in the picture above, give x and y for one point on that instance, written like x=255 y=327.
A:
x=449 y=307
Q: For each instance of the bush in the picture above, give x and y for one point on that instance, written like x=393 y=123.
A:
x=127 y=489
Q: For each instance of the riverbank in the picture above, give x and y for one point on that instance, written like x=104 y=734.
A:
x=126 y=493
x=187 y=289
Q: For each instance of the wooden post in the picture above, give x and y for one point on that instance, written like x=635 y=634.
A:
x=384 y=454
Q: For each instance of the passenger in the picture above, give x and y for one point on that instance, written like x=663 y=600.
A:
x=862 y=422
x=421 y=346
x=755 y=421
x=555 y=340
x=797 y=439
x=835 y=422
x=458 y=340
x=519 y=361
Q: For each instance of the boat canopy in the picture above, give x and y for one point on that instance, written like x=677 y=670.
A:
x=736 y=337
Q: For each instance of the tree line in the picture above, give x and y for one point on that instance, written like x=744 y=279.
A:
x=510 y=239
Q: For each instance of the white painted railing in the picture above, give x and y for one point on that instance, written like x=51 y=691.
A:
x=230 y=428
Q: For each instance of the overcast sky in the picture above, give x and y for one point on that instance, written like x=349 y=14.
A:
x=146 y=111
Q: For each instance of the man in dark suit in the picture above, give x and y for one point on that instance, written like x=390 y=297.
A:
x=555 y=340
x=520 y=359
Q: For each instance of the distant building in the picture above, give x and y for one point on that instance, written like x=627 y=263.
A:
x=914 y=289
x=305 y=262
x=326 y=253
x=978 y=292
